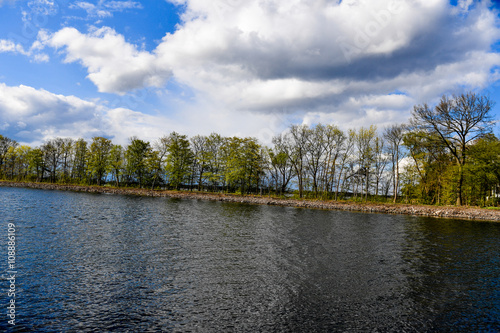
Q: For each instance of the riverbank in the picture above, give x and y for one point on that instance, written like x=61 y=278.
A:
x=470 y=213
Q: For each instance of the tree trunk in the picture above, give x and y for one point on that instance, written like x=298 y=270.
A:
x=396 y=181
x=460 y=184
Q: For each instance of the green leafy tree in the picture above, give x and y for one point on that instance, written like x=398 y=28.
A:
x=136 y=156
x=52 y=152
x=243 y=163
x=430 y=167
x=22 y=162
x=5 y=145
x=79 y=167
x=366 y=153
x=98 y=158
x=482 y=178
x=116 y=163
x=214 y=161
x=179 y=159
x=10 y=162
x=153 y=168
x=36 y=163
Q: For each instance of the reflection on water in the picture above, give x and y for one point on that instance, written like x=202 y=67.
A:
x=118 y=263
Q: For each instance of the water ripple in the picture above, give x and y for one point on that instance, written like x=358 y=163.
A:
x=93 y=263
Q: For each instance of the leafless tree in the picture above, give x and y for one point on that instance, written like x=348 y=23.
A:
x=394 y=137
x=457 y=121
x=298 y=147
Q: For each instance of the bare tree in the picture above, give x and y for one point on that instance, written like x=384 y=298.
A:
x=334 y=145
x=364 y=143
x=200 y=163
x=315 y=152
x=380 y=160
x=394 y=137
x=346 y=153
x=457 y=121
x=298 y=140
x=281 y=167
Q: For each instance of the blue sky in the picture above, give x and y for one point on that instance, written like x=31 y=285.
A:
x=237 y=67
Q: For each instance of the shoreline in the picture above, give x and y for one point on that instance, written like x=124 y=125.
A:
x=464 y=213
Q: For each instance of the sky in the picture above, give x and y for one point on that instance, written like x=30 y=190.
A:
x=236 y=67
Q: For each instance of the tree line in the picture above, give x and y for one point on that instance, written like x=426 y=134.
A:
x=444 y=155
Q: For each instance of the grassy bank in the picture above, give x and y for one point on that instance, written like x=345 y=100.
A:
x=470 y=213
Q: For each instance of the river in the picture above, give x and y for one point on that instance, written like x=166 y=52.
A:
x=94 y=262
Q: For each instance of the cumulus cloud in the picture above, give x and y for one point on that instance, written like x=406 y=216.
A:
x=324 y=60
x=314 y=53
x=10 y=46
x=33 y=115
x=113 y=64
x=34 y=52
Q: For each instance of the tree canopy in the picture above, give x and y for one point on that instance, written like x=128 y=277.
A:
x=445 y=155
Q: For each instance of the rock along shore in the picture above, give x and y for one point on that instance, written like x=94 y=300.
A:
x=470 y=213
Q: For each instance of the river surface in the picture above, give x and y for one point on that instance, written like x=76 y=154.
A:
x=99 y=263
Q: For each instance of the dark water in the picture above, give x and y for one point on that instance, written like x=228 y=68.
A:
x=96 y=263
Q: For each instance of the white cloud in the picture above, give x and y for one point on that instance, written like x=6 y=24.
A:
x=7 y=46
x=316 y=59
x=113 y=64
x=33 y=115
x=269 y=53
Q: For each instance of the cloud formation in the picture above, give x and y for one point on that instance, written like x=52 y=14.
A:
x=34 y=52
x=113 y=64
x=9 y=46
x=253 y=62
x=310 y=56
x=33 y=115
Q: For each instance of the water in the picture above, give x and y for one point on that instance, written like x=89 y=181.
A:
x=94 y=263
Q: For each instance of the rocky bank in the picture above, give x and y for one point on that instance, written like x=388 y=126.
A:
x=470 y=213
